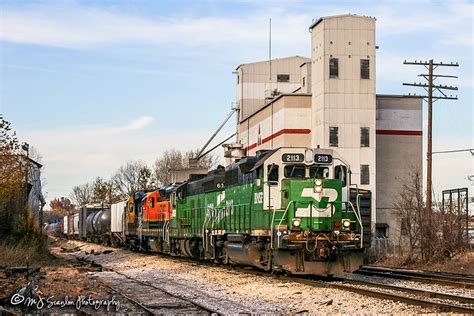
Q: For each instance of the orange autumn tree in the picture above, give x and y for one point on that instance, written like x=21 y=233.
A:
x=13 y=212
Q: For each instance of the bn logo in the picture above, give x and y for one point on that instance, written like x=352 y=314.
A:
x=258 y=198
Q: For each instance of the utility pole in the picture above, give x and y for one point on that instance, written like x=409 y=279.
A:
x=430 y=87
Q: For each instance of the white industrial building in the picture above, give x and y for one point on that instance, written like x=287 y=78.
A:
x=330 y=101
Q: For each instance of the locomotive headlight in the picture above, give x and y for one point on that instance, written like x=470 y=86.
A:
x=296 y=222
x=318 y=185
x=346 y=223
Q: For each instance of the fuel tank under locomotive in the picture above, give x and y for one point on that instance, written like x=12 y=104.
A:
x=248 y=253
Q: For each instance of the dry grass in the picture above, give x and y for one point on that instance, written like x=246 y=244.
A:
x=462 y=263
x=31 y=250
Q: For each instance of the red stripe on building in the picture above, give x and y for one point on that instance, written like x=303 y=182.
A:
x=398 y=132
x=308 y=131
x=279 y=133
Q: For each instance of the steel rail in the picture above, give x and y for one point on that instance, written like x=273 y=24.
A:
x=405 y=299
x=134 y=301
x=344 y=287
x=447 y=275
x=145 y=283
x=420 y=292
x=377 y=293
x=385 y=295
x=419 y=277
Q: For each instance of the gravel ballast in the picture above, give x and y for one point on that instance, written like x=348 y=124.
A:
x=235 y=291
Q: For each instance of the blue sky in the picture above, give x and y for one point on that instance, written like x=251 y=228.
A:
x=92 y=84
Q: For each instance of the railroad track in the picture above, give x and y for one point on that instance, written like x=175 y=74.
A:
x=450 y=279
x=161 y=301
x=412 y=296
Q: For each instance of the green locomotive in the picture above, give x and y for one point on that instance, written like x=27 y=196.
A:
x=288 y=209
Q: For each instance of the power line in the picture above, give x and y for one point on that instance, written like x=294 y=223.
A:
x=471 y=150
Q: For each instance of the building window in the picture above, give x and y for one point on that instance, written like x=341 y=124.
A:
x=333 y=136
x=283 y=78
x=304 y=81
x=364 y=69
x=333 y=68
x=238 y=79
x=364 y=137
x=381 y=230
x=364 y=174
x=404 y=227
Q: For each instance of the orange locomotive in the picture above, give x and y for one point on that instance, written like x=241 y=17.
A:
x=147 y=216
x=156 y=209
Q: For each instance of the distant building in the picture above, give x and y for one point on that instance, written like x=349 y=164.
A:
x=23 y=189
x=183 y=174
x=36 y=200
x=330 y=101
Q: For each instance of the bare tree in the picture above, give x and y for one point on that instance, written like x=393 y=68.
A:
x=131 y=177
x=410 y=208
x=102 y=191
x=454 y=238
x=427 y=235
x=208 y=161
x=34 y=154
x=174 y=159
x=170 y=159
x=82 y=194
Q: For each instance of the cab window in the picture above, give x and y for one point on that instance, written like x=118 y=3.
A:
x=295 y=171
x=272 y=173
x=340 y=173
x=319 y=172
x=173 y=199
x=131 y=208
x=151 y=202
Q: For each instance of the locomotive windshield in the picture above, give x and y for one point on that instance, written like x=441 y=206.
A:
x=318 y=171
x=298 y=171
x=295 y=171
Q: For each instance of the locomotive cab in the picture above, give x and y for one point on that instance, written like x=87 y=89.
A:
x=306 y=192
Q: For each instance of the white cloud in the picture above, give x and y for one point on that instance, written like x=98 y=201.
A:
x=140 y=123
x=135 y=124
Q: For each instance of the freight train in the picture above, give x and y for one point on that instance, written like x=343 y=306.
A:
x=289 y=210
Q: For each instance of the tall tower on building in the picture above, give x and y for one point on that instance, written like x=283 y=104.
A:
x=343 y=91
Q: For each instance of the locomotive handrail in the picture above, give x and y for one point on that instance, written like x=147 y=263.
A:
x=281 y=220
x=358 y=216
x=360 y=223
x=204 y=228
